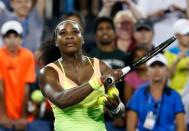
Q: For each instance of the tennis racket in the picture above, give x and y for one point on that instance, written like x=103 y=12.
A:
x=142 y=60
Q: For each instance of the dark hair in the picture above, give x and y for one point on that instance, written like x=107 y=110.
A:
x=103 y=19
x=137 y=48
x=49 y=52
x=63 y=21
x=11 y=32
x=77 y=14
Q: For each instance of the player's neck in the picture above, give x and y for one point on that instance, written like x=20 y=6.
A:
x=72 y=58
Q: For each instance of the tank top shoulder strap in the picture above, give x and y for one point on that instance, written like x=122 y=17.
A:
x=96 y=66
x=60 y=74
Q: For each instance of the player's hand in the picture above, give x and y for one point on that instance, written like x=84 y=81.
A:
x=116 y=75
x=112 y=103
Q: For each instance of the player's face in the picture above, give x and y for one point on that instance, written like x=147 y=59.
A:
x=12 y=41
x=69 y=37
x=105 y=33
x=157 y=72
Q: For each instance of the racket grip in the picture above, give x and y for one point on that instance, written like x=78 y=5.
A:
x=125 y=70
x=110 y=79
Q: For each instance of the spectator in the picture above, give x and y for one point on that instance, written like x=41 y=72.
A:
x=17 y=70
x=155 y=106
x=162 y=13
x=108 y=4
x=144 y=33
x=106 y=50
x=76 y=16
x=136 y=77
x=124 y=25
x=178 y=56
x=185 y=98
x=30 y=18
x=87 y=7
x=187 y=9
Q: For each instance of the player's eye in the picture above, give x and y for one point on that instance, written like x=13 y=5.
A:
x=75 y=31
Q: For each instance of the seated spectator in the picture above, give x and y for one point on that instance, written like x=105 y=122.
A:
x=178 y=56
x=30 y=18
x=136 y=77
x=17 y=70
x=155 y=106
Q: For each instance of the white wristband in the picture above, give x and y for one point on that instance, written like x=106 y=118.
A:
x=119 y=107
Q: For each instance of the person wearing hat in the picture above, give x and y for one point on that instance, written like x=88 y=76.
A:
x=144 y=33
x=17 y=70
x=31 y=16
x=155 y=106
x=178 y=56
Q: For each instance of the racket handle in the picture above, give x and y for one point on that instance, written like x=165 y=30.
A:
x=110 y=79
x=125 y=70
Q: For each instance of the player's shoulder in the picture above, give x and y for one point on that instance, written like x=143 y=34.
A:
x=51 y=68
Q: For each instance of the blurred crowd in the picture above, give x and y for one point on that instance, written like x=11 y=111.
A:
x=117 y=31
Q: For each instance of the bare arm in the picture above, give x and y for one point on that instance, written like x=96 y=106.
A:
x=2 y=6
x=131 y=121
x=40 y=4
x=180 y=122
x=174 y=65
x=187 y=9
x=26 y=99
x=172 y=68
x=134 y=9
x=52 y=89
x=114 y=106
x=106 y=8
x=2 y=100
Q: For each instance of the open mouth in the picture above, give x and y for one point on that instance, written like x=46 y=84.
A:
x=105 y=36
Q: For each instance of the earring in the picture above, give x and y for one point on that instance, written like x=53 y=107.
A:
x=83 y=42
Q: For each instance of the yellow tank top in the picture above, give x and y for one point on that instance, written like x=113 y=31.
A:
x=84 y=116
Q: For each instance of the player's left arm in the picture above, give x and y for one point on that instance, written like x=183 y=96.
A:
x=113 y=104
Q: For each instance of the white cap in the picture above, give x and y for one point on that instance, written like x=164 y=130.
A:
x=158 y=58
x=11 y=25
x=181 y=26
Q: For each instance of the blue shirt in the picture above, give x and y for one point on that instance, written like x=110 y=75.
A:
x=165 y=109
x=176 y=50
